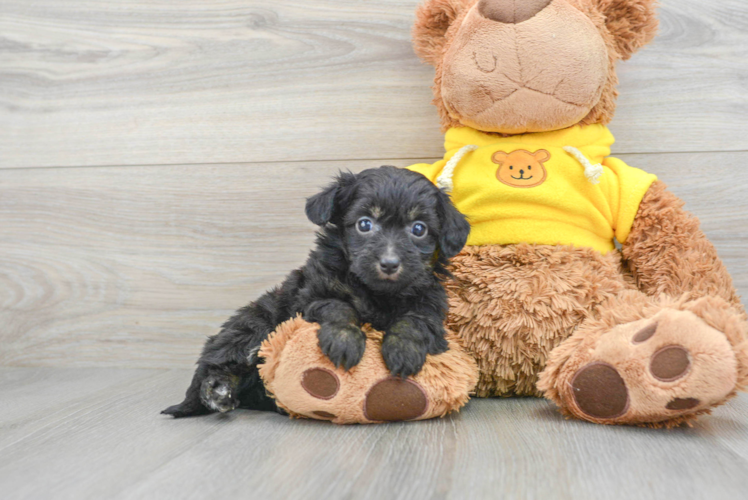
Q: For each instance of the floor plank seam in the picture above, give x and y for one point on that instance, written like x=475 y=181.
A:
x=345 y=160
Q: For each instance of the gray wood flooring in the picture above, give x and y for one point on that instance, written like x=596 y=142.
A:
x=72 y=433
x=154 y=159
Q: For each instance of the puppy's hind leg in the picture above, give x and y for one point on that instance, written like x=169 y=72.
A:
x=253 y=395
x=191 y=406
x=212 y=389
x=227 y=359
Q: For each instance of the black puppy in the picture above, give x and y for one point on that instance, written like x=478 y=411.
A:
x=387 y=234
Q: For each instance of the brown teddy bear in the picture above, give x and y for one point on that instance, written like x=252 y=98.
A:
x=652 y=333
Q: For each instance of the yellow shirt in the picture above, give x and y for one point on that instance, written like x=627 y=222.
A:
x=527 y=188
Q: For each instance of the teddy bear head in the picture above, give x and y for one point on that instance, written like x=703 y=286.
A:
x=517 y=66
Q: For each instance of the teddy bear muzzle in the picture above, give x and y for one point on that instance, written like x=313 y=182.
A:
x=507 y=68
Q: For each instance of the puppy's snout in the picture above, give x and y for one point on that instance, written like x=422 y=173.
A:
x=389 y=264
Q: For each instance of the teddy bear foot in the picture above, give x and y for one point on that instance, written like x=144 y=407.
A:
x=660 y=371
x=389 y=400
x=672 y=365
x=307 y=385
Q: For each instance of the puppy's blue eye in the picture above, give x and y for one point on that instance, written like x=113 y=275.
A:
x=419 y=229
x=364 y=225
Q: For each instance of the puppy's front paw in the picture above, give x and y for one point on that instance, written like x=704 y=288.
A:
x=218 y=392
x=343 y=345
x=403 y=357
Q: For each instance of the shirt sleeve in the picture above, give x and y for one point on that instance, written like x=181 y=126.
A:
x=633 y=184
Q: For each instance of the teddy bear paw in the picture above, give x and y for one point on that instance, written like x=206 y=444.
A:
x=654 y=370
x=389 y=400
x=306 y=383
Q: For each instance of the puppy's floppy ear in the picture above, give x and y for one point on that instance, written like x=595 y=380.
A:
x=328 y=205
x=454 y=227
x=433 y=19
x=633 y=23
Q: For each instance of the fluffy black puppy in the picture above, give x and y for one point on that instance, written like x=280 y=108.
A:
x=386 y=237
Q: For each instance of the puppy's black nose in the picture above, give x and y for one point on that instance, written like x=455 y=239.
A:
x=389 y=264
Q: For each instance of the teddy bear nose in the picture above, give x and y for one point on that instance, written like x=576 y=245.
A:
x=511 y=11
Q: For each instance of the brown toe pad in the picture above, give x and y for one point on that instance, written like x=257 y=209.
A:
x=320 y=383
x=683 y=404
x=600 y=392
x=645 y=333
x=324 y=414
x=394 y=399
x=670 y=363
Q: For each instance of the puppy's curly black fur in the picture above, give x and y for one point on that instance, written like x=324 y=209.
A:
x=386 y=237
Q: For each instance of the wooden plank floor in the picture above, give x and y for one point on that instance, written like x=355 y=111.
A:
x=154 y=160
x=77 y=433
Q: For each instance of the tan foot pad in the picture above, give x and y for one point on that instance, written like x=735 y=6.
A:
x=307 y=385
x=652 y=370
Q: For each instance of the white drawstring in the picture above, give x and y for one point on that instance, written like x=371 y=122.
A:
x=592 y=172
x=444 y=181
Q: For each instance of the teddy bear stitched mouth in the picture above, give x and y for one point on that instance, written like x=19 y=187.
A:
x=487 y=114
x=488 y=110
x=520 y=85
x=495 y=100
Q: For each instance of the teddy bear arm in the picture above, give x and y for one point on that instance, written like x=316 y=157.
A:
x=669 y=254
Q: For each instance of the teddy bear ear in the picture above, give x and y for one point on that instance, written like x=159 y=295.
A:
x=499 y=157
x=541 y=155
x=633 y=23
x=433 y=19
